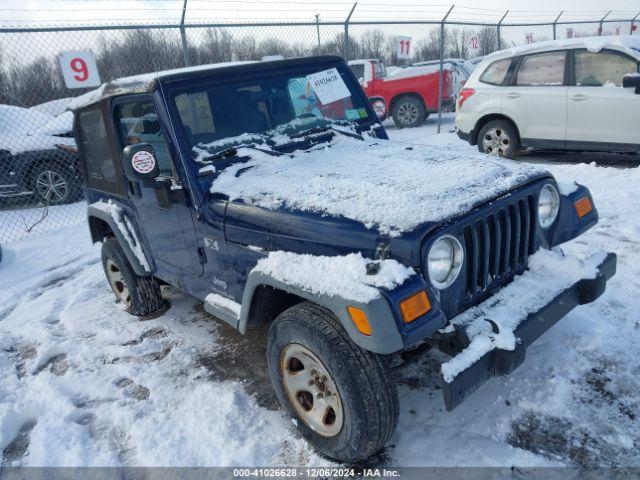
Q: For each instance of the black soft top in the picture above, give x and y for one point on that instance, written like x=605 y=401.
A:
x=147 y=82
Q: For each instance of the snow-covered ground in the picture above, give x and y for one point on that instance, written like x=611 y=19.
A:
x=83 y=383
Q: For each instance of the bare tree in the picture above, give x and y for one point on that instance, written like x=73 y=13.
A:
x=457 y=42
x=487 y=40
x=245 y=48
x=372 y=44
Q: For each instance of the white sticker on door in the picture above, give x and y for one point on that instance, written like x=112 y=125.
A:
x=328 y=86
x=143 y=162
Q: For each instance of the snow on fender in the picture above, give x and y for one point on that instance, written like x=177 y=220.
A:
x=143 y=162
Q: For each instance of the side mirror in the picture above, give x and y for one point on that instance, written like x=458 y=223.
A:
x=631 y=80
x=139 y=162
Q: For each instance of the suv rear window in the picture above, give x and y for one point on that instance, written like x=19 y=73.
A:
x=100 y=167
x=496 y=72
x=542 y=69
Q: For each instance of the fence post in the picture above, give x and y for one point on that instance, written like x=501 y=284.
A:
x=318 y=30
x=555 y=23
x=498 y=29
x=632 y=22
x=601 y=22
x=441 y=77
x=346 y=32
x=183 y=35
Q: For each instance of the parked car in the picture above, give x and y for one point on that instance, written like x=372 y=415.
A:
x=579 y=94
x=409 y=96
x=41 y=163
x=275 y=196
x=456 y=66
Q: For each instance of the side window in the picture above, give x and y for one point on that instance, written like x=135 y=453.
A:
x=380 y=69
x=101 y=169
x=137 y=122
x=602 y=69
x=358 y=70
x=495 y=73
x=542 y=69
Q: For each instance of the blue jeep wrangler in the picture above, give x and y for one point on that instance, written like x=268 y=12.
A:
x=271 y=192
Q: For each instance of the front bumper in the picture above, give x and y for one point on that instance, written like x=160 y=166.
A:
x=458 y=383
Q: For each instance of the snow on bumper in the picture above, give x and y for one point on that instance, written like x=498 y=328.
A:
x=496 y=333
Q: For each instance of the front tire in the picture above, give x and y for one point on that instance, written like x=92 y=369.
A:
x=139 y=295
x=409 y=112
x=339 y=396
x=499 y=138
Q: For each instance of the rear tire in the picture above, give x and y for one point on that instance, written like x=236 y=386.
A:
x=499 y=138
x=140 y=295
x=339 y=396
x=409 y=112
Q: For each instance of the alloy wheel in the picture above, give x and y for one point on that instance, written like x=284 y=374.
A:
x=496 y=142
x=51 y=186
x=408 y=113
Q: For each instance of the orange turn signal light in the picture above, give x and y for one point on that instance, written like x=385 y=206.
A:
x=415 y=306
x=583 y=206
x=360 y=320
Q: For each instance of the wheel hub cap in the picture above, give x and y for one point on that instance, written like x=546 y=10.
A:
x=408 y=113
x=51 y=186
x=118 y=285
x=496 y=142
x=311 y=390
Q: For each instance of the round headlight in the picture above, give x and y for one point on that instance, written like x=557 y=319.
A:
x=548 y=205
x=444 y=261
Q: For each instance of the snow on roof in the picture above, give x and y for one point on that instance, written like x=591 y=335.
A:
x=21 y=120
x=53 y=107
x=58 y=125
x=139 y=83
x=387 y=185
x=19 y=142
x=342 y=276
x=413 y=72
x=626 y=43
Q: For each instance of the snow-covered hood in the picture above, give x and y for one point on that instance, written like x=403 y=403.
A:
x=389 y=187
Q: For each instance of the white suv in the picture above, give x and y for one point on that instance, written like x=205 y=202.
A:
x=578 y=94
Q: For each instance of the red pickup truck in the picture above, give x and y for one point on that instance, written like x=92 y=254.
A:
x=409 y=95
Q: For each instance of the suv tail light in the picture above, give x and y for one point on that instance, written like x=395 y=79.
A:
x=464 y=95
x=67 y=148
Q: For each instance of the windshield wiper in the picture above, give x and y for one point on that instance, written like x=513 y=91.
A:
x=322 y=129
x=224 y=153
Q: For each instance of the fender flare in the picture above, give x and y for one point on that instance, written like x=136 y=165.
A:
x=120 y=236
x=384 y=339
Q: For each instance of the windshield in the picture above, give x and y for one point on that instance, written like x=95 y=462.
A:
x=214 y=117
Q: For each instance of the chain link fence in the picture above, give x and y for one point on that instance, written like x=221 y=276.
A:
x=40 y=183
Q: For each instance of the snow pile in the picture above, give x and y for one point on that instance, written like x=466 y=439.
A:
x=550 y=272
x=126 y=229
x=339 y=276
x=383 y=184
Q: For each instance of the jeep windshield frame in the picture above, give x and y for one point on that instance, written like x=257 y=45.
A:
x=267 y=107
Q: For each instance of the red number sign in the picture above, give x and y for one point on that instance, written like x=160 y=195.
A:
x=79 y=69
x=474 y=43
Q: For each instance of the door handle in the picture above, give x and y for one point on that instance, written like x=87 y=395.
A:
x=513 y=95
x=579 y=97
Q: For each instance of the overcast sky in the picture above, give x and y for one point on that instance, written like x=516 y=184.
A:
x=26 y=12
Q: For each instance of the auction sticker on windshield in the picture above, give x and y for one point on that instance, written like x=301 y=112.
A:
x=143 y=162
x=328 y=86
